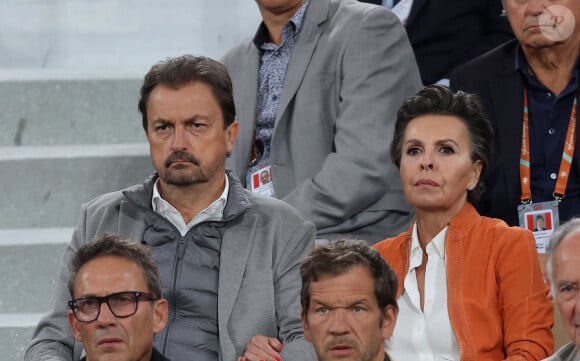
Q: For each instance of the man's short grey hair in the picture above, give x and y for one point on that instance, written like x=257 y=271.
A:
x=565 y=229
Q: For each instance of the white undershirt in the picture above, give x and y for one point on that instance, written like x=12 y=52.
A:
x=214 y=212
x=428 y=335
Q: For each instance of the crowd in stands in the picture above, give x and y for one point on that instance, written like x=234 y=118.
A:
x=439 y=134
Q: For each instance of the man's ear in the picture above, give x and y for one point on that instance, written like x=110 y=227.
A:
x=305 y=326
x=74 y=326
x=389 y=321
x=160 y=311
x=231 y=135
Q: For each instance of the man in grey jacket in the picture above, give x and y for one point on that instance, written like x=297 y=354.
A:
x=317 y=91
x=228 y=259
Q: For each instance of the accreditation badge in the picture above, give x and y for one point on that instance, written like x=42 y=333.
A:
x=542 y=219
x=259 y=179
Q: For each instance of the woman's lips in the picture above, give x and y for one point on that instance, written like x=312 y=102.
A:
x=426 y=182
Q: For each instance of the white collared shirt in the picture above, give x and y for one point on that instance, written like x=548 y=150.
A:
x=425 y=335
x=214 y=212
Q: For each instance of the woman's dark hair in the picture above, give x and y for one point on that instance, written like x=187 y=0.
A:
x=439 y=100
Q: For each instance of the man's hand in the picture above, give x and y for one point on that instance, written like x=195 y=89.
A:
x=262 y=348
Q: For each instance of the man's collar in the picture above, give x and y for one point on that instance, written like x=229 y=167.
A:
x=216 y=208
x=238 y=200
x=263 y=36
x=158 y=356
x=521 y=64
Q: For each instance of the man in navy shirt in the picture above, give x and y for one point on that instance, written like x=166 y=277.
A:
x=529 y=88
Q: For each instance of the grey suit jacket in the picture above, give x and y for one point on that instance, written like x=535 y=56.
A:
x=351 y=69
x=263 y=242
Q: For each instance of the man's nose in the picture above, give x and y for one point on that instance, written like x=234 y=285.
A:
x=179 y=139
x=536 y=7
x=339 y=322
x=106 y=316
x=577 y=305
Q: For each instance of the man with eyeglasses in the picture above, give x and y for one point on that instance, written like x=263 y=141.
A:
x=117 y=306
x=564 y=273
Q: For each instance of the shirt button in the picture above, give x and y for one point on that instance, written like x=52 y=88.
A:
x=274 y=98
x=551 y=131
x=553 y=175
x=548 y=95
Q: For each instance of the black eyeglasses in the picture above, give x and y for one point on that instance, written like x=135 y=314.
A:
x=121 y=304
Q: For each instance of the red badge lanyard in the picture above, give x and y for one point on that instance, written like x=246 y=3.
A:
x=565 y=164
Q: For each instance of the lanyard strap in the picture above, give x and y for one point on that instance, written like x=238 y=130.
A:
x=254 y=152
x=565 y=163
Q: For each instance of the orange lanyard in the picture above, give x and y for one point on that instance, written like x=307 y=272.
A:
x=565 y=164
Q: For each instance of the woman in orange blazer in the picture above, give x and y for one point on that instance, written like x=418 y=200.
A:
x=470 y=287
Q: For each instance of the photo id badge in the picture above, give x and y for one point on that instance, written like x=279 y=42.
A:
x=542 y=219
x=259 y=180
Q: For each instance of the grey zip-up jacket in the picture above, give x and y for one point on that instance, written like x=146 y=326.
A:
x=262 y=245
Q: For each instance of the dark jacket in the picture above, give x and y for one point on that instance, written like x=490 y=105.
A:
x=447 y=33
x=499 y=85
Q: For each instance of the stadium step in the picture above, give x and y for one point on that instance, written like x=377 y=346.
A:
x=69 y=111
x=47 y=184
x=29 y=264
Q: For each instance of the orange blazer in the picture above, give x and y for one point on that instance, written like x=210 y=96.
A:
x=497 y=299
